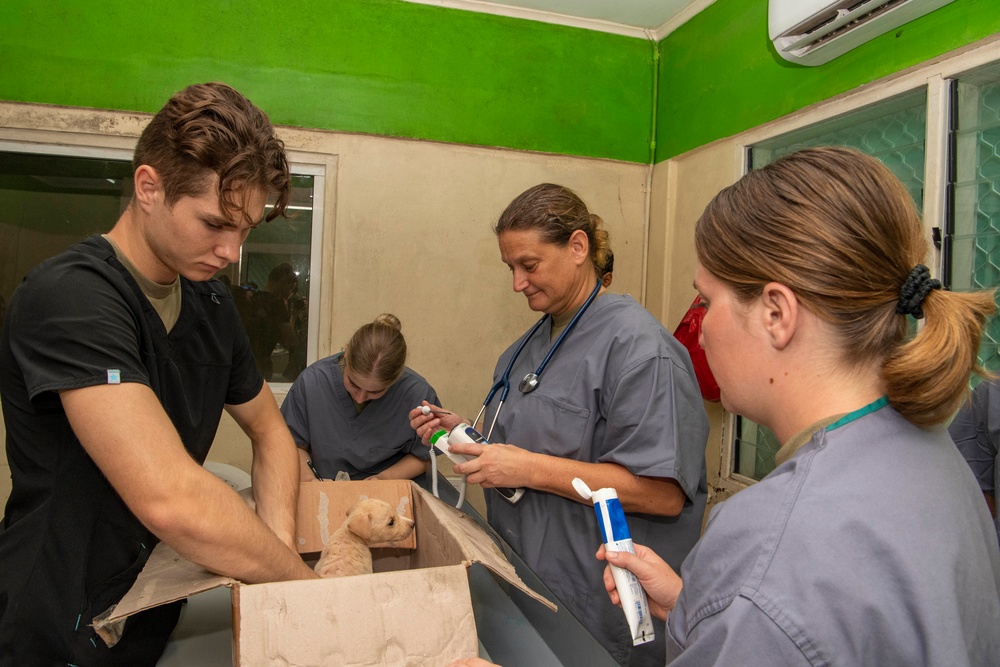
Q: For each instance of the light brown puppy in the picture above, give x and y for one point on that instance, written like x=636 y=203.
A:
x=369 y=521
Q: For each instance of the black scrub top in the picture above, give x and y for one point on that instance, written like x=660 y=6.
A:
x=69 y=546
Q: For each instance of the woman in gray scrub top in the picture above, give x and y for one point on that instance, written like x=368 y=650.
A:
x=870 y=543
x=976 y=432
x=616 y=404
x=348 y=412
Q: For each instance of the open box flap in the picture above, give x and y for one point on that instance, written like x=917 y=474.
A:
x=473 y=542
x=167 y=577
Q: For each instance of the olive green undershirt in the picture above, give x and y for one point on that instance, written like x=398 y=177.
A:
x=559 y=322
x=833 y=422
x=165 y=299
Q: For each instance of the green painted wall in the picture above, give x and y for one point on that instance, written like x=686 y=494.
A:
x=377 y=66
x=393 y=68
x=720 y=74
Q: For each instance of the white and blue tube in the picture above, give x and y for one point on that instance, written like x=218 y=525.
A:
x=616 y=536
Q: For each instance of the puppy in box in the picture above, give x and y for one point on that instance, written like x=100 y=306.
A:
x=369 y=521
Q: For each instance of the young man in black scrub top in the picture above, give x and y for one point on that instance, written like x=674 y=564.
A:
x=117 y=359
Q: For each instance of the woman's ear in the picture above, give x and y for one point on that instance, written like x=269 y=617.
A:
x=579 y=244
x=781 y=310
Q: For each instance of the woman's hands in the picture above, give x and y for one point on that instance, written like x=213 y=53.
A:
x=427 y=425
x=661 y=583
x=495 y=465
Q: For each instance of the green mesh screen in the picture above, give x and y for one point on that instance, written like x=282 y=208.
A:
x=975 y=243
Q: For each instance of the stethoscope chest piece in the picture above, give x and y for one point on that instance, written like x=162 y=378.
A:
x=529 y=383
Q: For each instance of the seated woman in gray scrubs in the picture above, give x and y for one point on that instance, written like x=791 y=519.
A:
x=870 y=543
x=348 y=412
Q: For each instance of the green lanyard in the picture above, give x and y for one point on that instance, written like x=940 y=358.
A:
x=877 y=404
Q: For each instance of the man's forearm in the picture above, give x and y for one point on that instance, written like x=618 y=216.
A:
x=275 y=475
x=213 y=527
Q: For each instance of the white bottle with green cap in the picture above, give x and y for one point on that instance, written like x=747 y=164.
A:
x=439 y=441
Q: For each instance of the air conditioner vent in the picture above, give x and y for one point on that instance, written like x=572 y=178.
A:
x=812 y=32
x=843 y=20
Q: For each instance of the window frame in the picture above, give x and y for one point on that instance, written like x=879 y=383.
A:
x=300 y=163
x=937 y=78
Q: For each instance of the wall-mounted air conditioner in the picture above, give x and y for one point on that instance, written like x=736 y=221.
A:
x=813 y=32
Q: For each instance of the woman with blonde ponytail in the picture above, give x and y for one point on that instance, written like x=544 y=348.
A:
x=870 y=543
x=348 y=412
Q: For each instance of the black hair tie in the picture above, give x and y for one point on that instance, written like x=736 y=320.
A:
x=913 y=292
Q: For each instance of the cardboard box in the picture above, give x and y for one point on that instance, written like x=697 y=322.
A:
x=416 y=609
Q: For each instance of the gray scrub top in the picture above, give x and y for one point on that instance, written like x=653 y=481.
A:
x=871 y=545
x=320 y=413
x=976 y=432
x=620 y=389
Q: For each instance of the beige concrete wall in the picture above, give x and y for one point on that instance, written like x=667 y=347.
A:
x=682 y=187
x=412 y=235
x=407 y=229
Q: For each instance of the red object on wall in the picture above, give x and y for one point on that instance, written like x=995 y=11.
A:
x=687 y=333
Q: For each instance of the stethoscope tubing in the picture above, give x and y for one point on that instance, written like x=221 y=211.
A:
x=504 y=381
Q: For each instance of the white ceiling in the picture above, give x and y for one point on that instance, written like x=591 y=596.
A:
x=639 y=18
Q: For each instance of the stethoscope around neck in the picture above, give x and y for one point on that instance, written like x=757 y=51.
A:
x=530 y=381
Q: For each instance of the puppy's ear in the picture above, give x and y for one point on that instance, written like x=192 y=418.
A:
x=360 y=524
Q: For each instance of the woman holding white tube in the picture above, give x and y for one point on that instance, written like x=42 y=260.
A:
x=870 y=542
x=598 y=390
